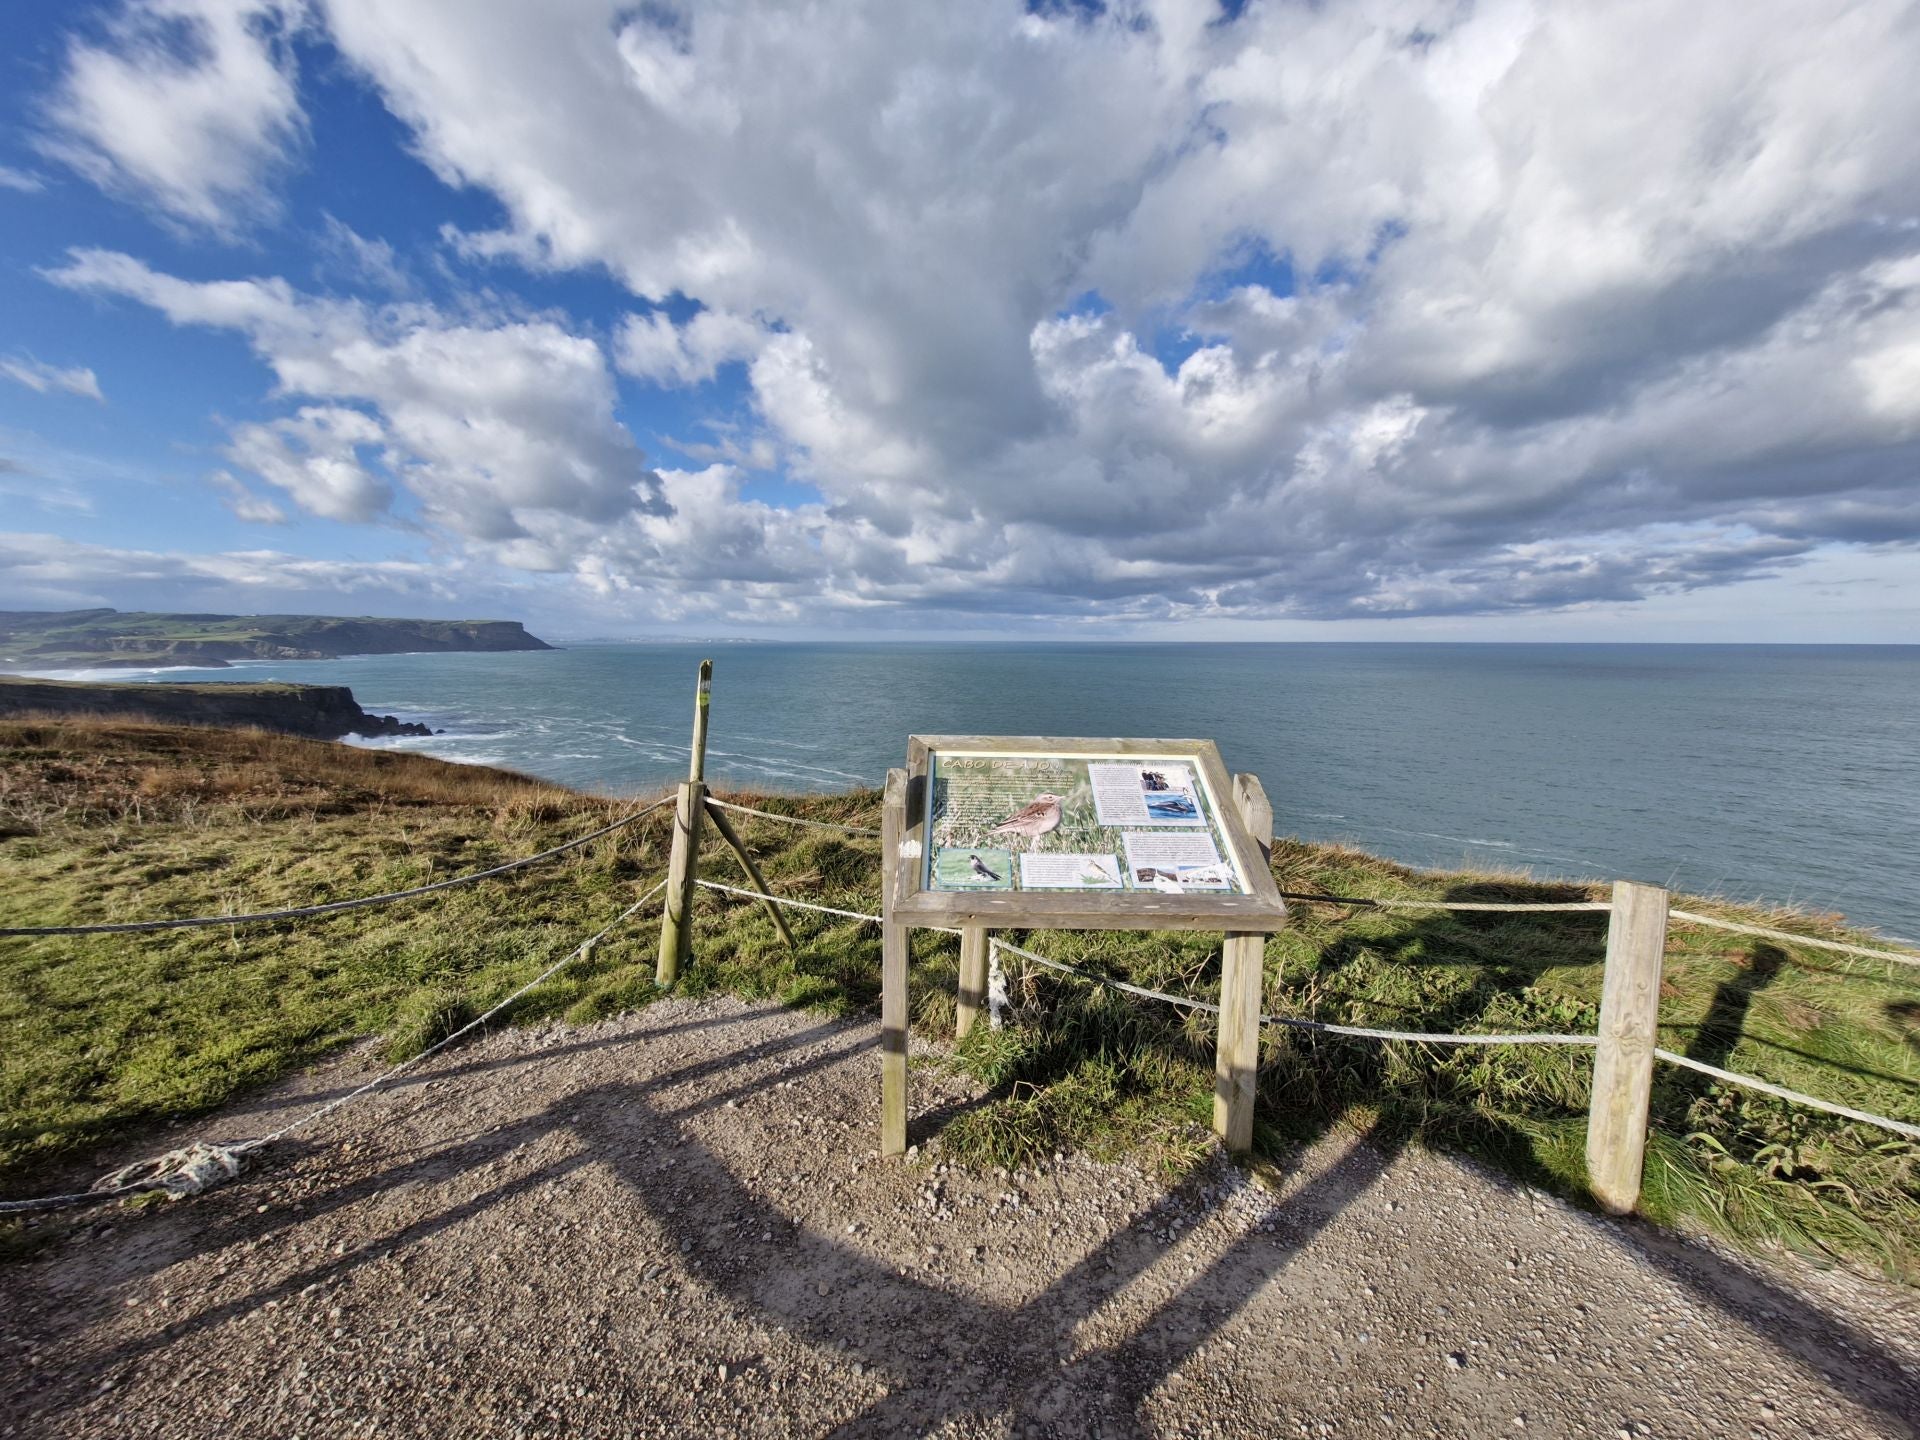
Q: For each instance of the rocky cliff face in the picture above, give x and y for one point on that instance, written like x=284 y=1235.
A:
x=321 y=712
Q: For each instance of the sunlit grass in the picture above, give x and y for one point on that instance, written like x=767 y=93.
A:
x=103 y=1037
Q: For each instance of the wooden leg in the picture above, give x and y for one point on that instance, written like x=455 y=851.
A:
x=893 y=978
x=1237 y=1054
x=1623 y=1062
x=683 y=870
x=747 y=863
x=973 y=978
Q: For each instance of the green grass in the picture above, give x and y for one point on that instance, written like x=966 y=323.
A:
x=102 y=1038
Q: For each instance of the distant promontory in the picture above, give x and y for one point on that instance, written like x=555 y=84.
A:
x=134 y=639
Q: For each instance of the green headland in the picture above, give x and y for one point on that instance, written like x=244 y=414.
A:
x=55 y=639
x=105 y=1040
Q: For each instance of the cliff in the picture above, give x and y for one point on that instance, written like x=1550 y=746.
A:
x=320 y=712
x=99 y=638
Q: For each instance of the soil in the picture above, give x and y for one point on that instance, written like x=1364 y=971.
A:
x=675 y=1223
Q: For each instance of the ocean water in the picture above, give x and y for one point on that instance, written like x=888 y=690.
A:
x=1788 y=773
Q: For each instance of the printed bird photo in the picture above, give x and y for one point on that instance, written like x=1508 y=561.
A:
x=1041 y=817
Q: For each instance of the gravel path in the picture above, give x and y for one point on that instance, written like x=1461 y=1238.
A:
x=674 y=1224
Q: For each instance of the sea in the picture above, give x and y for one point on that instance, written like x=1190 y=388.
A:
x=1784 y=773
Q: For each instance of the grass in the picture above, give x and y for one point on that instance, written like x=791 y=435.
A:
x=104 y=1037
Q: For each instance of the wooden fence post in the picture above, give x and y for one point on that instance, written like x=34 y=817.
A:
x=683 y=869
x=1236 y=1061
x=893 y=975
x=973 y=978
x=1623 y=1061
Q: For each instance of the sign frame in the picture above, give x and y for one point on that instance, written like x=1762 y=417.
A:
x=1259 y=911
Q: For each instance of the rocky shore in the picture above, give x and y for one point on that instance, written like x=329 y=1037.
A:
x=320 y=712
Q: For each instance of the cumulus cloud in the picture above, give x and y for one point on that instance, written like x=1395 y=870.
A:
x=42 y=378
x=187 y=105
x=1395 y=307
x=499 y=429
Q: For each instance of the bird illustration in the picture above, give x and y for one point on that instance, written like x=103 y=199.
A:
x=980 y=869
x=1042 y=817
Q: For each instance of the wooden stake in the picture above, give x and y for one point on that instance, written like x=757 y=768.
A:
x=1236 y=1059
x=683 y=868
x=973 y=978
x=698 y=770
x=893 y=976
x=1623 y=1063
x=727 y=833
x=683 y=873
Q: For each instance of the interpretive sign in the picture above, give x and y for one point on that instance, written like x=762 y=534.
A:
x=980 y=833
x=1070 y=833
x=1070 y=822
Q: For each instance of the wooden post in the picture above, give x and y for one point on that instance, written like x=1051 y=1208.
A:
x=893 y=976
x=683 y=869
x=1623 y=1062
x=727 y=833
x=973 y=978
x=1236 y=1059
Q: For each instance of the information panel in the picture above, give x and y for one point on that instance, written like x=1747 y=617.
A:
x=1076 y=822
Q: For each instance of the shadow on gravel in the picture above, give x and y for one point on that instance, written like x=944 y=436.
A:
x=945 y=1356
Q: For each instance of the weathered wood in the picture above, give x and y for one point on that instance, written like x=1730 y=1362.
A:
x=747 y=863
x=893 y=975
x=697 y=769
x=1236 y=1056
x=1243 y=965
x=973 y=979
x=1250 y=799
x=1259 y=910
x=683 y=872
x=1623 y=1062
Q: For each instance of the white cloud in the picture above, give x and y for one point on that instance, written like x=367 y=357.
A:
x=21 y=180
x=652 y=347
x=244 y=503
x=41 y=378
x=58 y=573
x=497 y=428
x=1590 y=303
x=187 y=105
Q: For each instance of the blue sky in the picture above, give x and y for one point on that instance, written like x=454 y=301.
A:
x=1399 y=320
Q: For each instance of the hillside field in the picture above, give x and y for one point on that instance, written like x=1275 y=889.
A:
x=105 y=1040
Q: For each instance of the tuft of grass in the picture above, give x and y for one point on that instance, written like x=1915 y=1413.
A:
x=424 y=1019
x=104 y=1036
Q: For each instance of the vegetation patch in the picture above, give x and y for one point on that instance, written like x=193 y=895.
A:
x=106 y=1035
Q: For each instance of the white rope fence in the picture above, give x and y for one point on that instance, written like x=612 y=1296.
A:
x=1788 y=937
x=334 y=906
x=1517 y=907
x=1296 y=1022
x=1689 y=1063
x=200 y=1166
x=794 y=819
x=809 y=905
x=1751 y=1082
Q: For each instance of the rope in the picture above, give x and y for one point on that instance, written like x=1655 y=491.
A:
x=809 y=905
x=199 y=1167
x=1361 y=1032
x=333 y=907
x=1765 y=934
x=783 y=900
x=1898 y=1126
x=793 y=819
x=1590 y=905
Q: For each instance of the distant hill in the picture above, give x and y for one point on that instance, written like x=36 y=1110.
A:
x=38 y=639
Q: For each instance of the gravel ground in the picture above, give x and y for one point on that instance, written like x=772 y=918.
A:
x=675 y=1224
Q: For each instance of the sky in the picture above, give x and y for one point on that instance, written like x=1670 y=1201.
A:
x=1375 y=320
